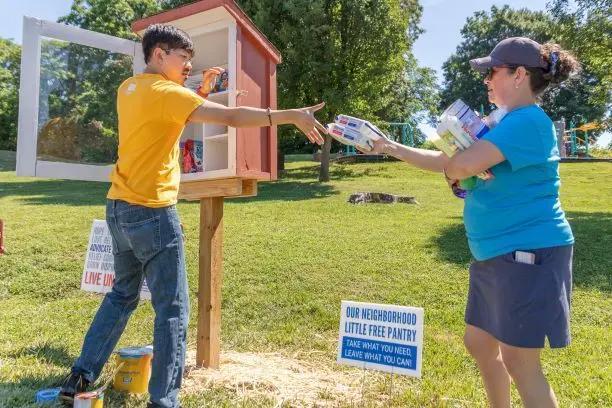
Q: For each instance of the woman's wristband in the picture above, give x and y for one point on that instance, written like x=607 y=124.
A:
x=445 y=175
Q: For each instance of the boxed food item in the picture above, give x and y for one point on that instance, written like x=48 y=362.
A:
x=355 y=132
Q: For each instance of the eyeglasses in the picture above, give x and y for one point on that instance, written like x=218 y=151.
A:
x=186 y=58
x=488 y=74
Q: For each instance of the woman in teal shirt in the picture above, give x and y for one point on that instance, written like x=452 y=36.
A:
x=521 y=276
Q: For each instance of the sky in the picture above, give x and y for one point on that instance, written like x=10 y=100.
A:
x=442 y=21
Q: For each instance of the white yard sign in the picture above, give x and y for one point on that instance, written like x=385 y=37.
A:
x=381 y=337
x=99 y=271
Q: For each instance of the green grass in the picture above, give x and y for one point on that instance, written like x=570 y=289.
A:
x=291 y=255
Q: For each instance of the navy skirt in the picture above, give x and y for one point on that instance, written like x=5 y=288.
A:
x=523 y=304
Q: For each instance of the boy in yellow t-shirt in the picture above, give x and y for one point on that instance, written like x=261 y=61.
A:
x=153 y=109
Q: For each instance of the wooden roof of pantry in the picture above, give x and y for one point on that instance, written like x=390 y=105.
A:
x=215 y=9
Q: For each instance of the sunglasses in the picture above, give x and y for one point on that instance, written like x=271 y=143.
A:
x=488 y=74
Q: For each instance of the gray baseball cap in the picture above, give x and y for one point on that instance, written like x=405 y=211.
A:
x=513 y=51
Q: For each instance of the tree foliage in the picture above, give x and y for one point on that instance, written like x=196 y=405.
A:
x=353 y=54
x=585 y=26
x=577 y=97
x=10 y=61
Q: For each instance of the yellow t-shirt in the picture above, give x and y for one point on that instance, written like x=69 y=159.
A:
x=152 y=114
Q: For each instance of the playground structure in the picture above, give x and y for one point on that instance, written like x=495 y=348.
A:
x=574 y=144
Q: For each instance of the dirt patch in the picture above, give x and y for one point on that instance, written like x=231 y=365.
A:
x=283 y=379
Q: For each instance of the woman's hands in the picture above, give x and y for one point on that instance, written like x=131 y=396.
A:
x=380 y=146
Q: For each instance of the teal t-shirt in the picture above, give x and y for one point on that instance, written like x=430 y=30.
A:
x=519 y=208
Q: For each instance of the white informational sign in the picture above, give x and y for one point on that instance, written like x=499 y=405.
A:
x=99 y=271
x=381 y=337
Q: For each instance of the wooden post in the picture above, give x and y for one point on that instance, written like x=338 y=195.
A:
x=210 y=279
x=211 y=194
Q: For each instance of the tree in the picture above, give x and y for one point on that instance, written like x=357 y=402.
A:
x=78 y=83
x=354 y=55
x=112 y=17
x=586 y=27
x=483 y=31
x=10 y=60
x=77 y=102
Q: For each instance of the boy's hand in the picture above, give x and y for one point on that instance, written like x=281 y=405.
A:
x=308 y=124
x=208 y=79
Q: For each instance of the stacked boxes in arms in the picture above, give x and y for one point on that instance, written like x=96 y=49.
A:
x=458 y=129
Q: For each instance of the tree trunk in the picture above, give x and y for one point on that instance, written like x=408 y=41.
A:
x=280 y=160
x=325 y=150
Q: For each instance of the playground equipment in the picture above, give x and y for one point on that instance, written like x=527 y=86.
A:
x=574 y=144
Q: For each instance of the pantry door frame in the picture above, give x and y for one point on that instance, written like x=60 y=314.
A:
x=29 y=95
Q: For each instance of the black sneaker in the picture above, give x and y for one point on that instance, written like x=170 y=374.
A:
x=75 y=383
x=154 y=405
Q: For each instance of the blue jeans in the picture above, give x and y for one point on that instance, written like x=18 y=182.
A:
x=147 y=242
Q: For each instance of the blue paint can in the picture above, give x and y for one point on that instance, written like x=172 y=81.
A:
x=47 y=396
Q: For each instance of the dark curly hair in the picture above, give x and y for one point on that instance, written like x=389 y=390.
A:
x=167 y=37
x=561 y=65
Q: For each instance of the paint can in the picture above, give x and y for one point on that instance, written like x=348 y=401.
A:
x=91 y=399
x=47 y=396
x=134 y=375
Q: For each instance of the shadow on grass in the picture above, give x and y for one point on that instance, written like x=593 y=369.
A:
x=592 y=260
x=452 y=244
x=48 y=353
x=23 y=391
x=294 y=184
x=302 y=184
x=64 y=192
x=336 y=172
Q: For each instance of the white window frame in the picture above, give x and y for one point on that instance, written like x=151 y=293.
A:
x=29 y=94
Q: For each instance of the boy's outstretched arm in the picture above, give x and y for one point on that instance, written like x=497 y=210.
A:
x=244 y=116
